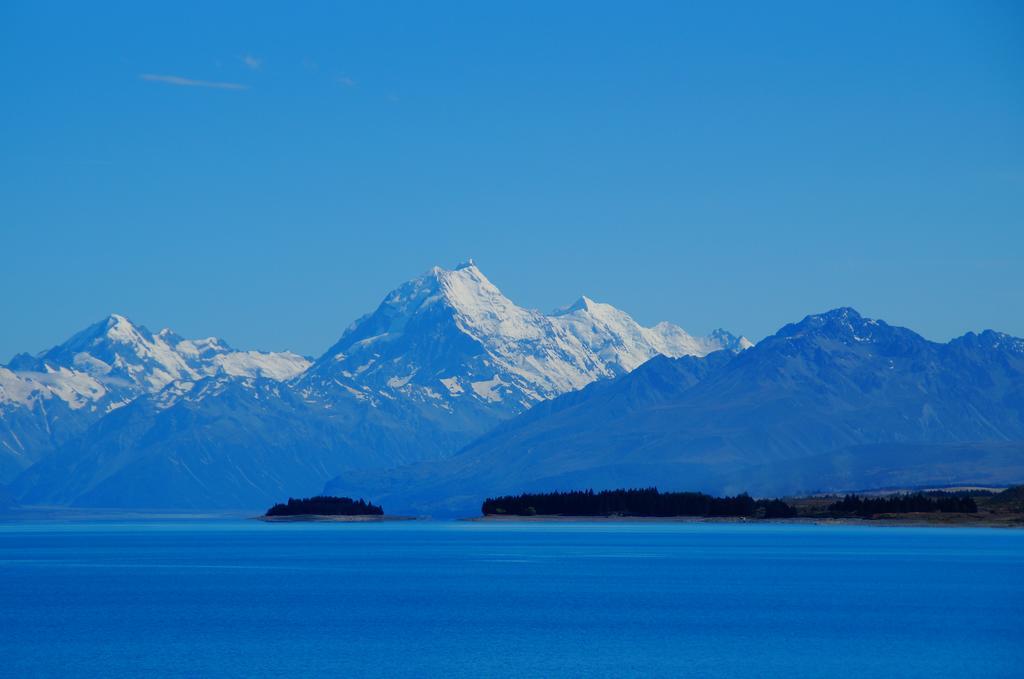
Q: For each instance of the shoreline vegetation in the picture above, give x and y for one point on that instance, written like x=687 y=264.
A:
x=638 y=502
x=971 y=506
x=964 y=508
x=335 y=518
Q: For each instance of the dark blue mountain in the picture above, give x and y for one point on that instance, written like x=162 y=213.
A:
x=225 y=443
x=835 y=401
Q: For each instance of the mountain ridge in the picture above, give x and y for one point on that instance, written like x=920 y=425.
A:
x=59 y=392
x=443 y=359
x=832 y=389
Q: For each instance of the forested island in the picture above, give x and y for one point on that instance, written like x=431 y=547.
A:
x=324 y=505
x=635 y=502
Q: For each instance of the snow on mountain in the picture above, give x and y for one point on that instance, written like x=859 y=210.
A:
x=26 y=387
x=59 y=392
x=116 y=357
x=622 y=344
x=278 y=366
x=834 y=402
x=451 y=335
x=442 y=360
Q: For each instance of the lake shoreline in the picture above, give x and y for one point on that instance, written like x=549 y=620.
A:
x=917 y=520
x=71 y=515
x=334 y=518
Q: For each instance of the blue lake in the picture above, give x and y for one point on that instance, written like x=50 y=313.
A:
x=244 y=598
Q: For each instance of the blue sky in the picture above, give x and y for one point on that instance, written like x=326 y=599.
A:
x=266 y=173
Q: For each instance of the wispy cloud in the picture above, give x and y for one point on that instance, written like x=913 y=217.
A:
x=189 y=82
x=346 y=81
x=252 y=62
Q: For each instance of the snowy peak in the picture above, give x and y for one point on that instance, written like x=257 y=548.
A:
x=451 y=335
x=117 y=360
x=623 y=344
x=585 y=305
x=119 y=353
x=119 y=328
x=582 y=304
x=473 y=298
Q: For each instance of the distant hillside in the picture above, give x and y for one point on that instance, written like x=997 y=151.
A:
x=836 y=401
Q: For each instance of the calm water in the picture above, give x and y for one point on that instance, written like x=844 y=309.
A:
x=238 y=598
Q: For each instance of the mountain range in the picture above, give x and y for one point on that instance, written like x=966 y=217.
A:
x=449 y=392
x=121 y=417
x=834 y=402
x=52 y=397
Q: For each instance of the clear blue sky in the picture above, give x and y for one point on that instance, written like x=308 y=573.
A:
x=266 y=173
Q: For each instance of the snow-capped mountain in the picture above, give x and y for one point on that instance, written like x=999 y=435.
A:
x=450 y=336
x=46 y=398
x=622 y=344
x=442 y=360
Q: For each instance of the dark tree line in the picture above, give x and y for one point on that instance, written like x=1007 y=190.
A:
x=324 y=505
x=903 y=504
x=634 y=502
x=777 y=509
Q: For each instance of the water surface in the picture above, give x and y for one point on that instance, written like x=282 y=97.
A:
x=244 y=598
